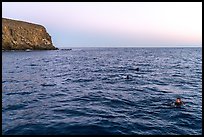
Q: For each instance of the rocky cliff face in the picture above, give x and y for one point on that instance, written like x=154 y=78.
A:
x=19 y=35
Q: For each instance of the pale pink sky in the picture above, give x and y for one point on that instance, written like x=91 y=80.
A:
x=114 y=23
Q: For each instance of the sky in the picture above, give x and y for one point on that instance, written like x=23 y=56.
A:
x=114 y=24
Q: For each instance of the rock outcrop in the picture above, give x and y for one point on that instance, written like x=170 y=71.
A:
x=20 y=35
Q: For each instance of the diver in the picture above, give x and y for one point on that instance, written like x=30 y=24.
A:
x=127 y=77
x=137 y=69
x=178 y=102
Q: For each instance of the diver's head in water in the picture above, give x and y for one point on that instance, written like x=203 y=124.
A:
x=178 y=102
x=137 y=69
x=127 y=77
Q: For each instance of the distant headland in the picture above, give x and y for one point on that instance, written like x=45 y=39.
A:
x=20 y=35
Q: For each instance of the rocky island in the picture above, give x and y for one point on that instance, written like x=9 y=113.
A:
x=20 y=35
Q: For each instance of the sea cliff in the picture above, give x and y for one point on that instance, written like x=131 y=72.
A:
x=20 y=35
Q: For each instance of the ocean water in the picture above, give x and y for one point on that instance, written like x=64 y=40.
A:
x=85 y=91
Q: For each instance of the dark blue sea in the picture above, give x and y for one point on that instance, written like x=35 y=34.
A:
x=85 y=91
